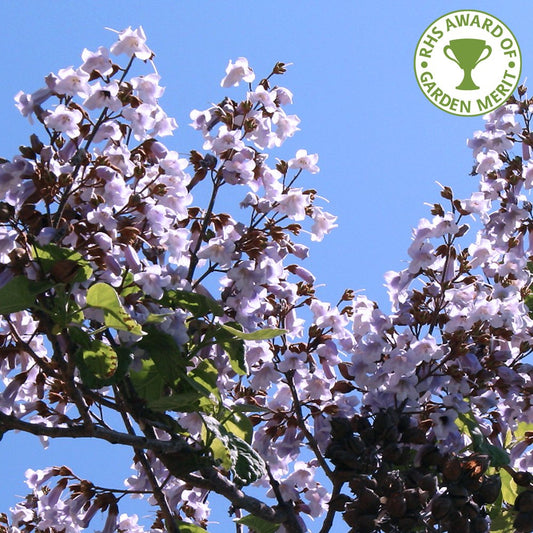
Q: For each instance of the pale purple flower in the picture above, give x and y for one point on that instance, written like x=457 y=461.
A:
x=7 y=243
x=286 y=126
x=148 y=88
x=103 y=96
x=293 y=204
x=28 y=104
x=72 y=82
x=152 y=281
x=305 y=161
x=98 y=60
x=132 y=43
x=263 y=97
x=323 y=223
x=64 y=120
x=225 y=140
x=237 y=72
x=283 y=95
x=141 y=119
x=218 y=250
x=103 y=216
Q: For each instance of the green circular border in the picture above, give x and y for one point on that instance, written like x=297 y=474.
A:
x=451 y=13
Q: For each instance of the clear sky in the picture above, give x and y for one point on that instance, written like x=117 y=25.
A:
x=382 y=145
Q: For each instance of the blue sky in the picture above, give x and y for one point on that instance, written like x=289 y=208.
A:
x=382 y=145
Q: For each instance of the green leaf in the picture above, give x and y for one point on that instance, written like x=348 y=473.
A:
x=503 y=523
x=509 y=487
x=103 y=296
x=257 y=525
x=236 y=353
x=235 y=349
x=148 y=382
x=186 y=402
x=94 y=367
x=259 y=335
x=221 y=454
x=50 y=254
x=154 y=318
x=480 y=444
x=187 y=527
x=198 y=304
x=19 y=293
x=239 y=425
x=165 y=352
x=101 y=360
x=247 y=465
x=205 y=375
x=250 y=465
x=522 y=429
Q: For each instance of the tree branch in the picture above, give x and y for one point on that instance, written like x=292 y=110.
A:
x=213 y=480
x=10 y=422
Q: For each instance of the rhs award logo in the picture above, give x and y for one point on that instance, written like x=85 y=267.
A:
x=467 y=63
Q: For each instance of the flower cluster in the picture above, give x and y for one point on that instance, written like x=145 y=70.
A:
x=184 y=320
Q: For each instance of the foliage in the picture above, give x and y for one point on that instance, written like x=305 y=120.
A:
x=195 y=337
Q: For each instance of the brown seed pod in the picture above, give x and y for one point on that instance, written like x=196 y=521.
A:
x=523 y=523
x=396 y=505
x=489 y=491
x=523 y=479
x=451 y=469
x=459 y=495
x=524 y=502
x=441 y=506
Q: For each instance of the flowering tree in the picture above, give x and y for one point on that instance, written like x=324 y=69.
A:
x=195 y=338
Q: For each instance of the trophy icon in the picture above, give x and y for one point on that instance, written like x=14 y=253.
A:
x=467 y=53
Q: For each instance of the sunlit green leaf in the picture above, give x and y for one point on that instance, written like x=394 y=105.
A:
x=467 y=423
x=154 y=318
x=257 y=525
x=187 y=527
x=509 y=487
x=503 y=523
x=259 y=335
x=184 y=401
x=101 y=360
x=522 y=429
x=103 y=296
x=19 y=293
x=235 y=349
x=221 y=453
x=247 y=465
x=239 y=425
x=205 y=375
x=99 y=364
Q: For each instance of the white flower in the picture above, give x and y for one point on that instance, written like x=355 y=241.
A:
x=148 y=88
x=97 y=61
x=235 y=72
x=100 y=97
x=152 y=281
x=64 y=120
x=72 y=82
x=132 y=43
x=305 y=161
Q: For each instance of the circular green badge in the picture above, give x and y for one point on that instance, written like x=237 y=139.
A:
x=467 y=63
